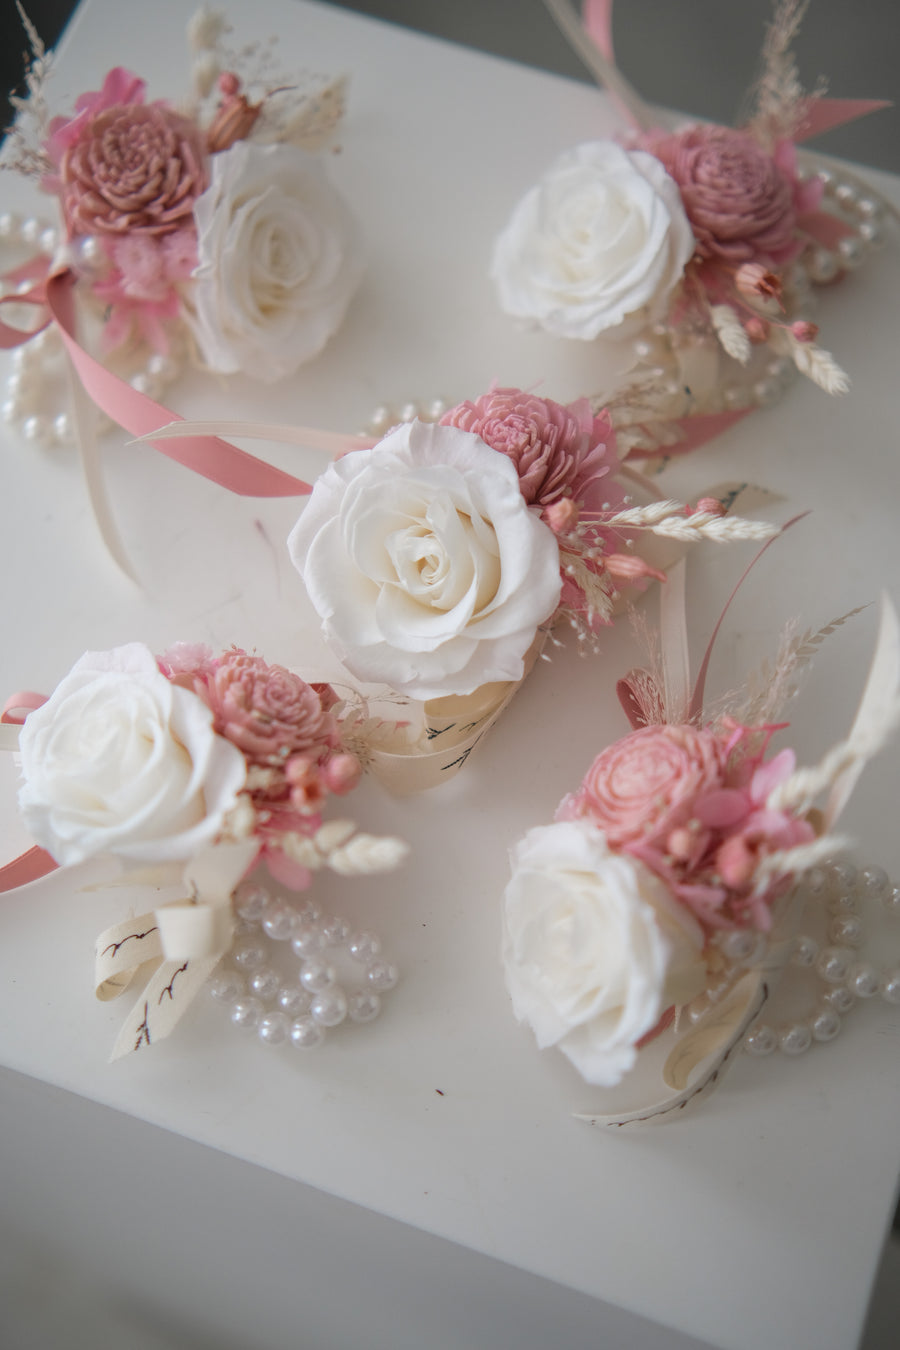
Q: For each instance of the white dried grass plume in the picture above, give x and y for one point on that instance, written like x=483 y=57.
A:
x=793 y=861
x=820 y=367
x=206 y=28
x=366 y=854
x=730 y=332
x=667 y=518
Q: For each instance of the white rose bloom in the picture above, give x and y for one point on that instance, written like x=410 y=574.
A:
x=120 y=761
x=428 y=570
x=279 y=260
x=598 y=244
x=594 y=948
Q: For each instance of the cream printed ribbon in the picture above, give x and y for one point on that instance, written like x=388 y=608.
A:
x=172 y=950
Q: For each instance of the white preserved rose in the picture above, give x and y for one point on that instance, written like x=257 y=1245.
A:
x=428 y=570
x=279 y=261
x=120 y=761
x=599 y=244
x=594 y=948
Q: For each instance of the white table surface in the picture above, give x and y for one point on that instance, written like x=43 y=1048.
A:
x=756 y=1221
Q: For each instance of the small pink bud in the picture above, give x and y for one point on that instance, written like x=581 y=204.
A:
x=629 y=567
x=562 y=516
x=229 y=83
x=341 y=774
x=804 y=331
x=710 y=506
x=680 y=844
x=757 y=330
x=752 y=279
x=735 y=862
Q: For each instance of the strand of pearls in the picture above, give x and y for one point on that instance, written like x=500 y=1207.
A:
x=386 y=415
x=34 y=398
x=304 y=1006
x=844 y=977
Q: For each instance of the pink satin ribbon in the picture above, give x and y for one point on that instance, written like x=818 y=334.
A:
x=19 y=705
x=35 y=862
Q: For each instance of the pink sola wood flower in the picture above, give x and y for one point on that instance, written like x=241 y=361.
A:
x=742 y=201
x=690 y=804
x=560 y=451
x=119 y=88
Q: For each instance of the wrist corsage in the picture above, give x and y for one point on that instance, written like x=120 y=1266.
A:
x=205 y=229
x=646 y=929
x=439 y=558
x=192 y=769
x=698 y=246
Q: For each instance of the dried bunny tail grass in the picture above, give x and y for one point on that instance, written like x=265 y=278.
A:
x=730 y=332
x=667 y=518
x=339 y=846
x=819 y=366
x=793 y=861
x=772 y=685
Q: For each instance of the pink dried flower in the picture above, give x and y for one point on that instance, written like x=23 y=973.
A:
x=307 y=788
x=804 y=331
x=741 y=200
x=757 y=282
x=132 y=168
x=341 y=773
x=234 y=120
x=268 y=712
x=559 y=451
x=187 y=658
x=757 y=330
x=644 y=786
x=710 y=506
x=562 y=515
x=120 y=88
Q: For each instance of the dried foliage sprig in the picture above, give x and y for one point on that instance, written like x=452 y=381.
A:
x=24 y=150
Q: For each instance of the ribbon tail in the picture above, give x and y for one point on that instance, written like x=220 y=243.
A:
x=593 y=46
x=29 y=866
x=170 y=992
x=877 y=714
x=333 y=443
x=85 y=421
x=674 y=645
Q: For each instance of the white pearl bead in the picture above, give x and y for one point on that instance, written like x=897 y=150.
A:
x=9 y=225
x=744 y=946
x=37 y=429
x=11 y=411
x=698 y=1008
x=409 y=412
x=436 y=409
x=761 y=1041
x=90 y=250
x=736 y=396
x=825 y=1024
x=851 y=251
x=841 y=999
x=844 y=875
x=364 y=947
x=846 y=928
x=890 y=986
x=335 y=931
x=265 y=983
x=870 y=232
x=23 y=385
x=248 y=955
x=250 y=901
x=363 y=1006
x=161 y=367
x=329 y=1008
x=833 y=964
x=278 y=922
x=795 y=1039
x=381 y=419
x=306 y=1034
x=817 y=881
x=317 y=976
x=308 y=912
x=142 y=383
x=292 y=1000
x=62 y=429
x=823 y=266
x=308 y=942
x=804 y=950
x=48 y=241
x=873 y=883
x=246 y=1012
x=868 y=208
x=382 y=975
x=892 y=900
x=273 y=1029
x=864 y=980
x=846 y=194
x=31 y=230
x=766 y=391
x=227 y=986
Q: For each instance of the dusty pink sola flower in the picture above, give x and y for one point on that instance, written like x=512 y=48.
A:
x=559 y=451
x=741 y=201
x=133 y=168
x=268 y=712
x=644 y=787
